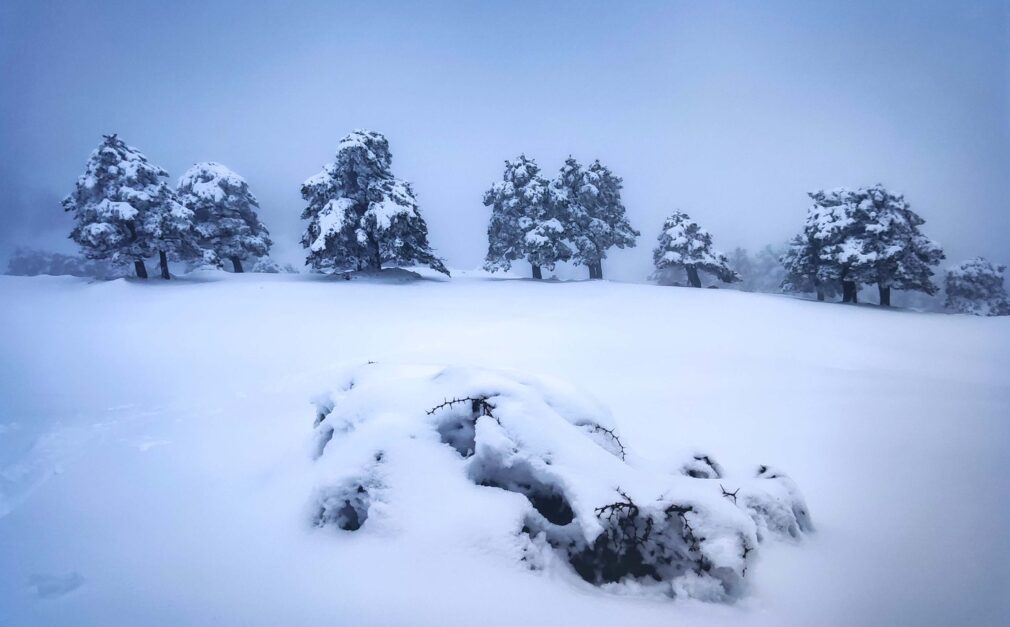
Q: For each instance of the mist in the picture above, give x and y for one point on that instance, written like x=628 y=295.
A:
x=729 y=112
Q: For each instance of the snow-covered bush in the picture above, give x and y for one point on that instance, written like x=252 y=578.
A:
x=976 y=287
x=268 y=265
x=361 y=216
x=224 y=212
x=685 y=245
x=539 y=470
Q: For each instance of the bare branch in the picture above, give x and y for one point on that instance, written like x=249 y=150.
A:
x=613 y=436
x=731 y=495
x=478 y=406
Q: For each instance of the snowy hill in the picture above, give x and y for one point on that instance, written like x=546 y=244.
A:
x=156 y=448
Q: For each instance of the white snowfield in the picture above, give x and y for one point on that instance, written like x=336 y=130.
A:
x=160 y=465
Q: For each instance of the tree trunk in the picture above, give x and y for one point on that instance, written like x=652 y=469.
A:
x=595 y=269
x=375 y=263
x=537 y=274
x=141 y=269
x=849 y=292
x=820 y=294
x=885 y=295
x=599 y=269
x=692 y=276
x=163 y=261
x=236 y=264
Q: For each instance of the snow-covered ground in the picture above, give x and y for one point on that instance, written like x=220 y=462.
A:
x=156 y=438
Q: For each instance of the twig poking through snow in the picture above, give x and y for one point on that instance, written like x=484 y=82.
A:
x=479 y=406
x=731 y=495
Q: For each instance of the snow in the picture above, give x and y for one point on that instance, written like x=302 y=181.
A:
x=558 y=448
x=387 y=210
x=115 y=210
x=320 y=178
x=332 y=219
x=156 y=455
x=210 y=181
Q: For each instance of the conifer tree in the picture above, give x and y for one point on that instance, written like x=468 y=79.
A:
x=804 y=272
x=684 y=244
x=597 y=220
x=125 y=212
x=361 y=216
x=225 y=213
x=896 y=254
x=976 y=287
x=834 y=239
x=869 y=235
x=527 y=221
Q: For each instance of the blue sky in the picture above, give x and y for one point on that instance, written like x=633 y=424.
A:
x=730 y=111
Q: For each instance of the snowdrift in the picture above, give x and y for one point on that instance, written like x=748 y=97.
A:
x=543 y=469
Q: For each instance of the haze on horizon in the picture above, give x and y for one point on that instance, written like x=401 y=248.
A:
x=731 y=112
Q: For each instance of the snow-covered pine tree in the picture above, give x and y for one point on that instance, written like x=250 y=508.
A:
x=224 y=213
x=976 y=287
x=361 y=216
x=869 y=235
x=801 y=264
x=596 y=217
x=836 y=241
x=684 y=244
x=527 y=221
x=124 y=211
x=177 y=238
x=897 y=255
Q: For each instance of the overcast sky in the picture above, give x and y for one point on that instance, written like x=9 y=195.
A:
x=730 y=111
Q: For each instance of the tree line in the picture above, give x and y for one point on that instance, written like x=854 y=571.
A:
x=360 y=217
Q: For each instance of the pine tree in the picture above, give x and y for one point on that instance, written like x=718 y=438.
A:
x=897 y=255
x=527 y=220
x=360 y=216
x=224 y=212
x=836 y=241
x=803 y=271
x=869 y=235
x=684 y=244
x=124 y=211
x=177 y=238
x=976 y=287
x=597 y=220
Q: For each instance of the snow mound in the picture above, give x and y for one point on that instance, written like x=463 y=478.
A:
x=386 y=275
x=541 y=468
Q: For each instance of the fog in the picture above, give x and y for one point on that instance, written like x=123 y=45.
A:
x=729 y=111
